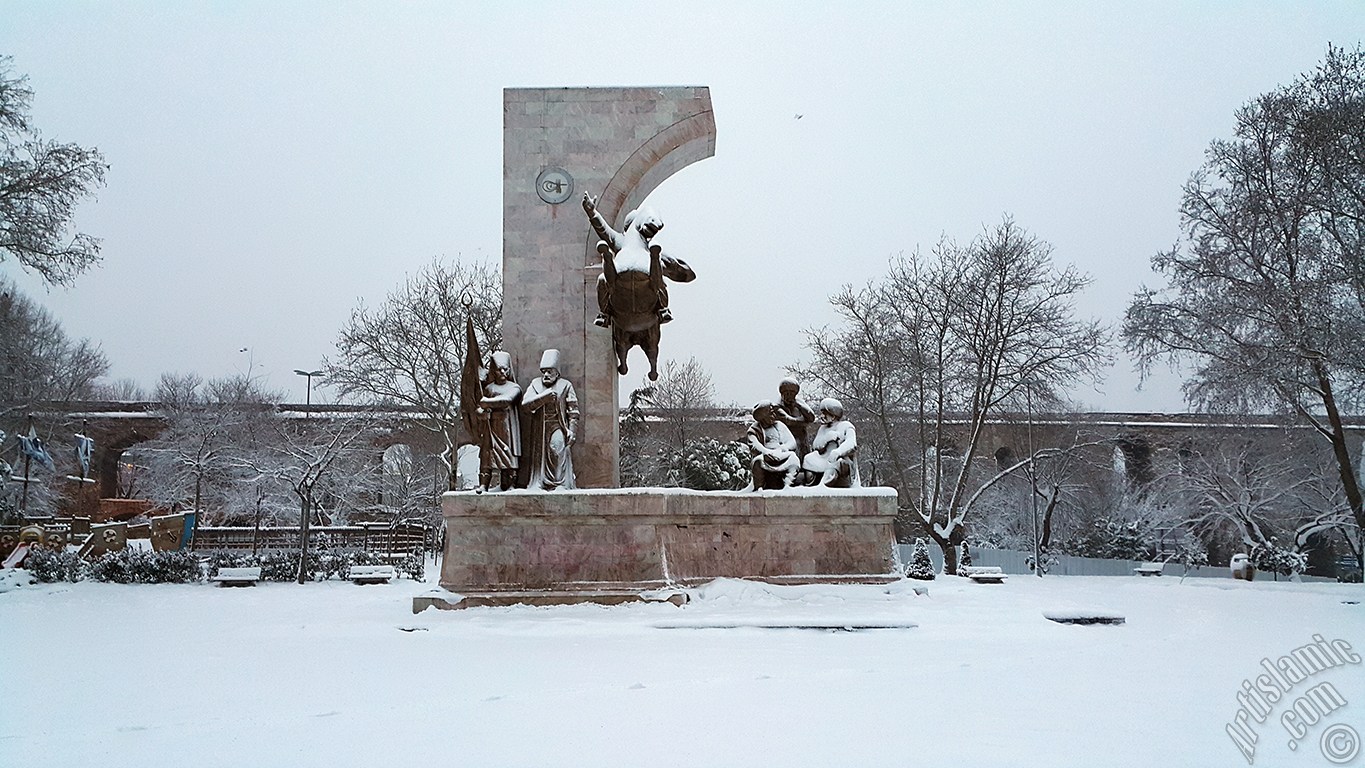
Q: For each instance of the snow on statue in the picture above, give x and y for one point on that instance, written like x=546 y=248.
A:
x=632 y=298
x=551 y=407
x=834 y=460
x=499 y=425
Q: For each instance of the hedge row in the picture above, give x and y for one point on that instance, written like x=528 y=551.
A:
x=137 y=566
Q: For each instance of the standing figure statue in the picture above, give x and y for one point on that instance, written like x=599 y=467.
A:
x=632 y=299
x=773 y=461
x=551 y=408
x=833 y=460
x=499 y=425
x=795 y=414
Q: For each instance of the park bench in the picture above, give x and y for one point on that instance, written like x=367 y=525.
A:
x=371 y=574
x=984 y=574
x=238 y=577
x=1148 y=569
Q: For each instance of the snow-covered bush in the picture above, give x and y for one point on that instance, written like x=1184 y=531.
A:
x=135 y=566
x=710 y=465
x=1111 y=539
x=1191 y=553
x=282 y=565
x=920 y=566
x=112 y=566
x=225 y=559
x=49 y=567
x=1048 y=560
x=415 y=566
x=1273 y=558
x=178 y=567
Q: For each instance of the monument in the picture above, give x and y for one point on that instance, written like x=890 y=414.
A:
x=557 y=143
x=578 y=296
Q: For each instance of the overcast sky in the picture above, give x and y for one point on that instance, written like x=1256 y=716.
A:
x=274 y=163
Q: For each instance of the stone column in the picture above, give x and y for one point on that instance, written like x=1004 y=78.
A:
x=619 y=144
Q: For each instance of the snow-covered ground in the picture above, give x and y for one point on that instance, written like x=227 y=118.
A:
x=332 y=674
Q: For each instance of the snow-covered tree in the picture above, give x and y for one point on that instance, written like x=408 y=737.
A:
x=928 y=355
x=325 y=462
x=410 y=349
x=920 y=566
x=38 y=361
x=1268 y=497
x=212 y=429
x=670 y=451
x=41 y=182
x=1264 y=293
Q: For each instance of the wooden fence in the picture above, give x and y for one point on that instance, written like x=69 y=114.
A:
x=401 y=539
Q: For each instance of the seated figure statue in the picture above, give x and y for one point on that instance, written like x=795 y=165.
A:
x=833 y=460
x=773 y=461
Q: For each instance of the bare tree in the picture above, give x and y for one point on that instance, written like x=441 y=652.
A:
x=1266 y=293
x=179 y=390
x=1059 y=481
x=38 y=361
x=210 y=428
x=41 y=181
x=320 y=459
x=682 y=393
x=123 y=390
x=410 y=350
x=674 y=405
x=409 y=486
x=1267 y=498
x=932 y=351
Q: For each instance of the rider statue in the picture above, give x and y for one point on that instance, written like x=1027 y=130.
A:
x=632 y=298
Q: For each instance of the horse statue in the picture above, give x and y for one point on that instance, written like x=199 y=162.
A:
x=632 y=298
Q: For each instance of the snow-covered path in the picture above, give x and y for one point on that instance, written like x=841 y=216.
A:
x=332 y=674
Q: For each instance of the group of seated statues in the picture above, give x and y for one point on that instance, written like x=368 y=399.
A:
x=531 y=432
x=541 y=445
x=783 y=455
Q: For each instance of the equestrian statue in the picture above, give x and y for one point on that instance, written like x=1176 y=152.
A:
x=632 y=298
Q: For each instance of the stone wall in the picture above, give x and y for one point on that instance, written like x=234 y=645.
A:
x=642 y=537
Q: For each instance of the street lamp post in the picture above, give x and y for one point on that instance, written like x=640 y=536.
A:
x=1033 y=486
x=308 y=393
x=306 y=498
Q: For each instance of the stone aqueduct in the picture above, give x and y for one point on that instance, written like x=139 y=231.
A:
x=117 y=427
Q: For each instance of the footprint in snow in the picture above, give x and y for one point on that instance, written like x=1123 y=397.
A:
x=637 y=687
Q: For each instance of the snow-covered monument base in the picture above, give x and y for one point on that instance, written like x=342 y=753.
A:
x=609 y=545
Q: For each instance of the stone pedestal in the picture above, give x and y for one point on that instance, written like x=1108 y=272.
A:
x=619 y=144
x=643 y=538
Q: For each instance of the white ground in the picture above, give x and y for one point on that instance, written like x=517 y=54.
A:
x=333 y=674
